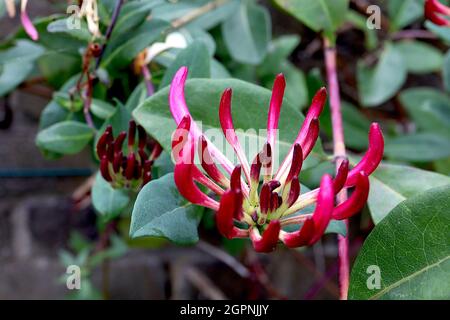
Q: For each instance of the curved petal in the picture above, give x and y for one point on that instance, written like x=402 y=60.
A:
x=184 y=179
x=314 y=112
x=296 y=164
x=230 y=204
x=26 y=22
x=275 y=107
x=372 y=158
x=226 y=122
x=356 y=201
x=341 y=176
x=208 y=163
x=269 y=239
x=437 y=6
x=179 y=109
x=324 y=207
x=314 y=227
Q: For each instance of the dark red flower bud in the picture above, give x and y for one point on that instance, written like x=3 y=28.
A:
x=131 y=133
x=147 y=177
x=297 y=162
x=129 y=171
x=235 y=183
x=117 y=161
x=156 y=151
x=104 y=169
x=118 y=143
x=255 y=169
x=264 y=198
x=110 y=152
x=103 y=142
x=294 y=192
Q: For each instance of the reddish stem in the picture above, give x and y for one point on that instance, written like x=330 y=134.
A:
x=148 y=80
x=339 y=154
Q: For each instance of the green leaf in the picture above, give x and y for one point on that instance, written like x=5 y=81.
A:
x=404 y=12
x=278 y=52
x=160 y=211
x=16 y=64
x=24 y=51
x=250 y=103
x=132 y=14
x=127 y=47
x=391 y=184
x=442 y=32
x=219 y=11
x=410 y=248
x=108 y=201
x=195 y=57
x=420 y=147
x=318 y=15
x=102 y=109
x=378 y=84
x=61 y=26
x=53 y=112
x=192 y=34
x=446 y=71
x=67 y=137
x=247 y=33
x=429 y=108
x=413 y=53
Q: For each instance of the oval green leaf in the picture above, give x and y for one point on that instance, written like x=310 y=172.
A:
x=67 y=137
x=160 y=211
x=410 y=249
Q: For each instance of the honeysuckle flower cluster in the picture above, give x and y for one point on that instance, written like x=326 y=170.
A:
x=253 y=200
x=437 y=13
x=131 y=169
x=24 y=18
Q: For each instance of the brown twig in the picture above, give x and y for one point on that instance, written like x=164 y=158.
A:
x=204 y=284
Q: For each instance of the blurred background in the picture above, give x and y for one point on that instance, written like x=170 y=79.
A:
x=46 y=225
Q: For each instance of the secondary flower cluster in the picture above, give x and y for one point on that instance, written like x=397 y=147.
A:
x=130 y=169
x=437 y=13
x=26 y=22
x=261 y=206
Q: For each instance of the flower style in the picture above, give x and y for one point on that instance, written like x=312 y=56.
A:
x=437 y=13
x=261 y=209
x=26 y=22
x=132 y=170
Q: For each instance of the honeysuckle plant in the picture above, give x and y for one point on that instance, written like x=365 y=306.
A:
x=106 y=67
x=263 y=204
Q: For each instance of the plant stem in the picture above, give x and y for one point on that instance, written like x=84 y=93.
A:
x=109 y=31
x=148 y=80
x=339 y=154
x=88 y=102
x=413 y=34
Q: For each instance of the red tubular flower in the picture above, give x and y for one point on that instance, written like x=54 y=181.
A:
x=132 y=170
x=437 y=13
x=247 y=209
